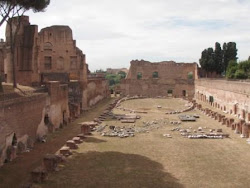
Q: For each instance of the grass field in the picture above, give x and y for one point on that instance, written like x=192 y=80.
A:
x=152 y=160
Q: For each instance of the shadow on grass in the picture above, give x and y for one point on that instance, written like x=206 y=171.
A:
x=94 y=140
x=112 y=169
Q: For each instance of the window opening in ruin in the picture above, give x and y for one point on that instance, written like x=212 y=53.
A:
x=211 y=99
x=139 y=75
x=46 y=119
x=190 y=75
x=184 y=93
x=47 y=63
x=170 y=92
x=155 y=75
x=14 y=140
x=47 y=46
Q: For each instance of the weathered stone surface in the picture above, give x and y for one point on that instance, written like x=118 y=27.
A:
x=71 y=144
x=157 y=79
x=50 y=162
x=39 y=175
x=65 y=151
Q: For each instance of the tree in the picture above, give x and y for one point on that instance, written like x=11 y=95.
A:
x=229 y=53
x=218 y=57
x=217 y=60
x=122 y=74
x=207 y=61
x=16 y=8
x=231 y=69
x=8 y=7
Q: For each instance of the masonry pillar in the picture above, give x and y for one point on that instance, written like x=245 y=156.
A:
x=245 y=130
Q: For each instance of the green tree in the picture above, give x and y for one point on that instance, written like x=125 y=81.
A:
x=231 y=69
x=244 y=66
x=16 y=8
x=122 y=74
x=218 y=57
x=207 y=60
x=229 y=53
x=240 y=74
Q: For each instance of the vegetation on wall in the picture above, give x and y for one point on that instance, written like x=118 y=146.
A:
x=217 y=60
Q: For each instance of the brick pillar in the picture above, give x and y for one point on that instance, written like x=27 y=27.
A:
x=245 y=130
x=233 y=126
x=85 y=129
x=238 y=128
x=224 y=121
x=231 y=121
x=215 y=115
x=243 y=114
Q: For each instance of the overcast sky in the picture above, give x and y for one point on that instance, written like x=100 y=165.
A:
x=113 y=32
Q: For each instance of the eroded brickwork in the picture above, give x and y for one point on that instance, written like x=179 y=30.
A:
x=160 y=79
x=229 y=96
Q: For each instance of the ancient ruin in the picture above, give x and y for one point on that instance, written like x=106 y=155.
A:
x=160 y=79
x=61 y=86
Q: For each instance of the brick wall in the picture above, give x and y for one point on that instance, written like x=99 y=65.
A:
x=230 y=96
x=171 y=77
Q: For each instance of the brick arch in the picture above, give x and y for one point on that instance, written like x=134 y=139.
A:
x=47 y=46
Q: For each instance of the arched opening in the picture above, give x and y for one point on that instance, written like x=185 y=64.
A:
x=14 y=140
x=190 y=75
x=184 y=93
x=139 y=75
x=170 y=93
x=47 y=46
x=155 y=75
x=46 y=119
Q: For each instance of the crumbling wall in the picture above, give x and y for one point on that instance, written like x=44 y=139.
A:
x=160 y=79
x=57 y=109
x=19 y=117
x=229 y=96
x=97 y=89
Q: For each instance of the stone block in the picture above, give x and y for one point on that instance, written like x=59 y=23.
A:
x=81 y=136
x=65 y=151
x=39 y=175
x=77 y=140
x=50 y=162
x=71 y=144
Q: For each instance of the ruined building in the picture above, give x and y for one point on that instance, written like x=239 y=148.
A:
x=160 y=79
x=47 y=58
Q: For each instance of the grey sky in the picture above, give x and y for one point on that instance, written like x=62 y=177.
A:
x=113 y=32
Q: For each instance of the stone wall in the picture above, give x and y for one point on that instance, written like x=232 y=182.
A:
x=28 y=118
x=20 y=116
x=229 y=96
x=96 y=90
x=39 y=55
x=160 y=79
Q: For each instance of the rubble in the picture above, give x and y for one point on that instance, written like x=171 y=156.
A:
x=187 y=118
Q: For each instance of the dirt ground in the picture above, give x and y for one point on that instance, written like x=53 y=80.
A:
x=17 y=172
x=152 y=160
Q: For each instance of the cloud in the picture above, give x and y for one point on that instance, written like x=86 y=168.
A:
x=113 y=32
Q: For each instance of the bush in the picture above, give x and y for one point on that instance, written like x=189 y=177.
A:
x=240 y=74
